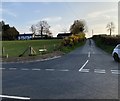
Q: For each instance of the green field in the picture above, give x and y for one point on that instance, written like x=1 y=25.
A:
x=15 y=48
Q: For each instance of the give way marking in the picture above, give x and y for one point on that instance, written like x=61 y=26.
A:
x=83 y=65
x=15 y=97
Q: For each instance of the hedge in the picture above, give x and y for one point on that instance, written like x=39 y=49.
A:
x=108 y=40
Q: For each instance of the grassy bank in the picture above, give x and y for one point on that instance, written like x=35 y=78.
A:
x=67 y=49
x=106 y=42
x=106 y=48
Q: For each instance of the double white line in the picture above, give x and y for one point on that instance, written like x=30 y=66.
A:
x=115 y=71
x=99 y=71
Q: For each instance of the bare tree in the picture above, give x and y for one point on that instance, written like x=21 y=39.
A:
x=49 y=33
x=33 y=29
x=110 y=27
x=42 y=27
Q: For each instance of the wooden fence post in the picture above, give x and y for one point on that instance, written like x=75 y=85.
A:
x=7 y=56
x=3 y=51
x=32 y=51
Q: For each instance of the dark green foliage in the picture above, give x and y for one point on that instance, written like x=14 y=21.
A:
x=67 y=49
x=106 y=42
x=9 y=33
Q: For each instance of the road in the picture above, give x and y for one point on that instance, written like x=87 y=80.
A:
x=86 y=73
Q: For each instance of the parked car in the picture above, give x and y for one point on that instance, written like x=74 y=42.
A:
x=116 y=53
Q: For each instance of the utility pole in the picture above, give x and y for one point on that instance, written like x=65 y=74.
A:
x=92 y=32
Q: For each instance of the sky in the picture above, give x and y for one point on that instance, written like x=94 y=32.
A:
x=60 y=15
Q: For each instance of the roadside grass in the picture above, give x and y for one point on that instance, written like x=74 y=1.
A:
x=67 y=49
x=106 y=48
x=15 y=48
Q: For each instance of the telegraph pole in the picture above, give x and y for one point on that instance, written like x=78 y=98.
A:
x=92 y=32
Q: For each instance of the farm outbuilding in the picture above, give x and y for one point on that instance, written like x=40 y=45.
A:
x=25 y=36
x=63 y=35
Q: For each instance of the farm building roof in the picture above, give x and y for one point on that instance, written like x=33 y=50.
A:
x=29 y=34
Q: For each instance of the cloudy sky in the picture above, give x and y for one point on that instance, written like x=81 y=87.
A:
x=60 y=15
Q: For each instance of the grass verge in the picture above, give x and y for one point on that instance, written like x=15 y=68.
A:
x=15 y=48
x=106 y=48
x=67 y=49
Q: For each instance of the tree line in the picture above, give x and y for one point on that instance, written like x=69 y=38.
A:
x=42 y=28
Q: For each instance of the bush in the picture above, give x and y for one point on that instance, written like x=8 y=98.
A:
x=73 y=39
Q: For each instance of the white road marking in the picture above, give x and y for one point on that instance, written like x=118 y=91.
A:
x=115 y=71
x=12 y=68
x=55 y=57
x=2 y=68
x=15 y=97
x=24 y=69
x=84 y=65
x=49 y=69
x=85 y=70
x=88 y=54
x=99 y=71
x=36 y=69
x=64 y=70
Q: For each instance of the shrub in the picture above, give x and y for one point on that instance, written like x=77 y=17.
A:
x=73 y=39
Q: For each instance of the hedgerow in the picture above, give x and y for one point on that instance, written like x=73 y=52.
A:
x=108 y=40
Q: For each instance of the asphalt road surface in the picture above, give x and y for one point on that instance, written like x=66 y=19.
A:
x=86 y=73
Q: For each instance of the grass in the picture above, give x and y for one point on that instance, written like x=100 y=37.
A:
x=106 y=48
x=68 y=49
x=15 y=48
